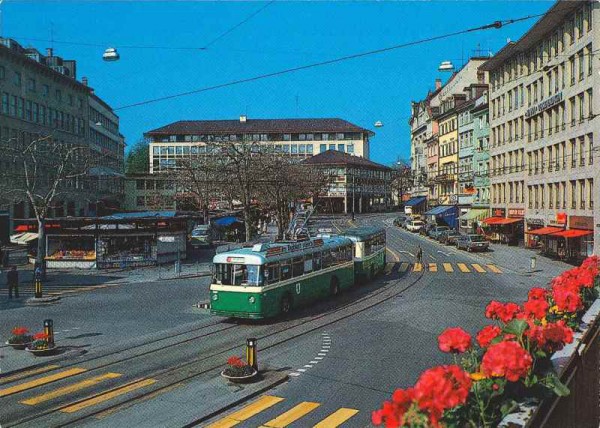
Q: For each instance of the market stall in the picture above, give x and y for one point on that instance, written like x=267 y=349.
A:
x=503 y=230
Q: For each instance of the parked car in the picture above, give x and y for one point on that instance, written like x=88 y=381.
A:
x=405 y=223
x=448 y=237
x=425 y=229
x=414 y=225
x=435 y=231
x=472 y=243
x=202 y=236
x=399 y=221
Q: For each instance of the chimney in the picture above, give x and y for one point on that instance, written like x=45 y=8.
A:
x=438 y=84
x=84 y=80
x=49 y=52
x=243 y=118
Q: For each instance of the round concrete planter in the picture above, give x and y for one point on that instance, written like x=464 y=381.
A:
x=43 y=352
x=18 y=346
x=240 y=379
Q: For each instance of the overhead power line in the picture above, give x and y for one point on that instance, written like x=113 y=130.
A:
x=495 y=24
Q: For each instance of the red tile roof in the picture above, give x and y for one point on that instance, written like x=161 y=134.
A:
x=334 y=157
x=258 y=126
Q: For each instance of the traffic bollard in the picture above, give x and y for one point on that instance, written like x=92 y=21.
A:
x=251 y=353
x=49 y=331
x=532 y=263
x=38 y=288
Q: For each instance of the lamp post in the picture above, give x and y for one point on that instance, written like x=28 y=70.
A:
x=353 y=194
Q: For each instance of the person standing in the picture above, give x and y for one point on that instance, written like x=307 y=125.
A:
x=12 y=278
x=419 y=255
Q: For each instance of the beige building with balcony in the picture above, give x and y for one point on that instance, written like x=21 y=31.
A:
x=542 y=130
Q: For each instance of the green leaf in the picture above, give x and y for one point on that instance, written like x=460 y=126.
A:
x=516 y=327
x=508 y=407
x=557 y=386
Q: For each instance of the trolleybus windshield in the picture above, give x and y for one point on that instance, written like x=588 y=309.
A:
x=238 y=274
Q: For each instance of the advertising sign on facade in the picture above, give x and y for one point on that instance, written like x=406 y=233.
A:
x=499 y=212
x=546 y=104
x=516 y=212
x=581 y=222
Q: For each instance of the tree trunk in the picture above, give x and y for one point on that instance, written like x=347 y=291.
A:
x=41 y=246
x=247 y=225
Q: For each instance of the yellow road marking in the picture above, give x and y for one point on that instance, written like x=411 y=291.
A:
x=39 y=382
x=417 y=267
x=292 y=415
x=463 y=267
x=432 y=267
x=246 y=412
x=337 y=418
x=448 y=267
x=478 y=268
x=494 y=268
x=27 y=373
x=403 y=267
x=70 y=389
x=105 y=396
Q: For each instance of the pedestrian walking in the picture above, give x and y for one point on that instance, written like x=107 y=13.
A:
x=419 y=255
x=12 y=278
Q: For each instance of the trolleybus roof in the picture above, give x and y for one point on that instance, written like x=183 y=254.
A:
x=363 y=233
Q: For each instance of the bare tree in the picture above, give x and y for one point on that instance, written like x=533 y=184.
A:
x=43 y=173
x=402 y=179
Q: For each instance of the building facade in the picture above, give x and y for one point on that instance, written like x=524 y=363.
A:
x=42 y=99
x=147 y=192
x=481 y=153
x=543 y=126
x=298 y=138
x=447 y=177
x=358 y=185
x=465 y=153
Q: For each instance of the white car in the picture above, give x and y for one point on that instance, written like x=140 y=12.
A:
x=415 y=225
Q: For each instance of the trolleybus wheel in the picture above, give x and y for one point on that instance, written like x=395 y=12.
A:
x=335 y=286
x=286 y=304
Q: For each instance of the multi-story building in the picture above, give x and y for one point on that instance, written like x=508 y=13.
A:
x=42 y=98
x=465 y=152
x=298 y=138
x=358 y=185
x=147 y=192
x=542 y=130
x=432 y=146
x=448 y=151
x=481 y=154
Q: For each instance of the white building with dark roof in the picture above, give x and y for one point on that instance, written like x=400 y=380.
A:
x=300 y=138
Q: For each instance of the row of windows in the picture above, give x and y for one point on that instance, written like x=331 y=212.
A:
x=573 y=28
x=261 y=137
x=447 y=127
x=449 y=148
x=579 y=107
x=105 y=122
x=105 y=142
x=510 y=192
x=38 y=113
x=43 y=89
x=574 y=194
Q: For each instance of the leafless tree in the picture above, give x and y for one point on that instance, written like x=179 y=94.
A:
x=402 y=179
x=42 y=173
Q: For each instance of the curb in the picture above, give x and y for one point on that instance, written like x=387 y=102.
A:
x=32 y=301
x=278 y=379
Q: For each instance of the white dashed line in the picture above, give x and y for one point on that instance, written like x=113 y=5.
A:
x=294 y=374
x=301 y=370
x=318 y=358
x=313 y=362
x=308 y=366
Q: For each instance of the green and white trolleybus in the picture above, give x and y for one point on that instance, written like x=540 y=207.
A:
x=369 y=251
x=270 y=279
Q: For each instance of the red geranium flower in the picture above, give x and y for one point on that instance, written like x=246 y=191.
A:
x=20 y=331
x=40 y=336
x=556 y=335
x=566 y=299
x=507 y=359
x=535 y=308
x=537 y=293
x=454 y=339
x=487 y=334
x=392 y=413
x=441 y=388
x=504 y=312
x=235 y=362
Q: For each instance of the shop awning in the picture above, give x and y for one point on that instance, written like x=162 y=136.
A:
x=225 y=221
x=445 y=212
x=437 y=210
x=545 y=231
x=572 y=233
x=474 y=213
x=501 y=220
x=23 y=238
x=415 y=201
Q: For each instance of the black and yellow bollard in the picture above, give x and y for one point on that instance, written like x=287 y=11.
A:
x=38 y=288
x=251 y=353
x=49 y=331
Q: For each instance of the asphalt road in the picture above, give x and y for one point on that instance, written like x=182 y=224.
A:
x=344 y=356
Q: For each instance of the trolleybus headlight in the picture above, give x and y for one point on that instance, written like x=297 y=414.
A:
x=215 y=296
x=251 y=299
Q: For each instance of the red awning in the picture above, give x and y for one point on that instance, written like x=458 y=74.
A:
x=572 y=233
x=22 y=228
x=492 y=220
x=545 y=230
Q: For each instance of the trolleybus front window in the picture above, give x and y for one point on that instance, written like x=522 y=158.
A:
x=237 y=274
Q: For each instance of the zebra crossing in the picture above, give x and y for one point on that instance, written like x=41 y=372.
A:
x=51 y=290
x=449 y=268
x=251 y=413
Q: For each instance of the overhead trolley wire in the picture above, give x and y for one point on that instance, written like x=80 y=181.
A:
x=495 y=24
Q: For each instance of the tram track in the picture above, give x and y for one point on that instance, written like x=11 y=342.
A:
x=177 y=374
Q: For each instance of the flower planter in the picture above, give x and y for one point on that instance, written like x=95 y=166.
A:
x=240 y=379
x=44 y=351
x=19 y=346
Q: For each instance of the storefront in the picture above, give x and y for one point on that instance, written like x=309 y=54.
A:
x=469 y=222
x=415 y=205
x=71 y=251
x=504 y=230
x=575 y=243
x=445 y=215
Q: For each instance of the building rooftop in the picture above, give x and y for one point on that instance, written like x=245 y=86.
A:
x=258 y=126
x=334 y=157
x=547 y=23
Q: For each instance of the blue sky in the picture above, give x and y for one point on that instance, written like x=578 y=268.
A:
x=284 y=35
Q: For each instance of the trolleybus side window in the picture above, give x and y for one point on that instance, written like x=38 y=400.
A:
x=328 y=258
x=297 y=266
x=317 y=261
x=253 y=275
x=272 y=272
x=308 y=263
x=286 y=269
